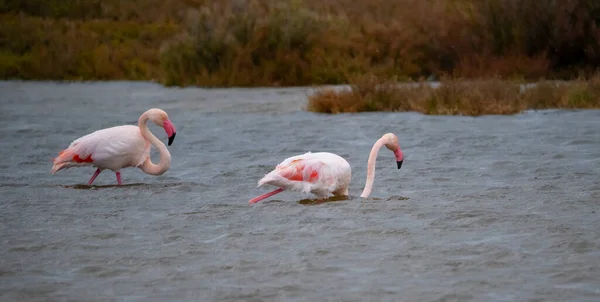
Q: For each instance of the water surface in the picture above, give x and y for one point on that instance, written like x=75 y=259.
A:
x=493 y=208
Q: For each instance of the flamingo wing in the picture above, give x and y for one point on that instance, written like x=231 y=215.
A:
x=111 y=148
x=309 y=172
x=321 y=173
x=300 y=169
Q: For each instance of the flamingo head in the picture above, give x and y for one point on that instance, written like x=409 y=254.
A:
x=161 y=118
x=391 y=142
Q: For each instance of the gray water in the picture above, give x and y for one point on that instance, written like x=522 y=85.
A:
x=493 y=208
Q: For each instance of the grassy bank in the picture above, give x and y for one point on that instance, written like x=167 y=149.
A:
x=458 y=97
x=294 y=42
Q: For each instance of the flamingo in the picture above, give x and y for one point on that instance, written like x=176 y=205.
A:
x=120 y=147
x=324 y=173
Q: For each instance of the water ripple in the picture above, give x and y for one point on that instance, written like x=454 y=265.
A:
x=499 y=208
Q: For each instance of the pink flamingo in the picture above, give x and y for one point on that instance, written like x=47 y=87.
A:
x=120 y=147
x=324 y=173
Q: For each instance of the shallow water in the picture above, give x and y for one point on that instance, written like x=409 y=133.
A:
x=493 y=208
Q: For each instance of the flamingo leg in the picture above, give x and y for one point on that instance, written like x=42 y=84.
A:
x=94 y=176
x=267 y=195
x=119 y=182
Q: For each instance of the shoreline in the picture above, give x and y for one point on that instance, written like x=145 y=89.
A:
x=445 y=97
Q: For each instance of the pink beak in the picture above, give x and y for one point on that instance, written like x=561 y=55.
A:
x=399 y=157
x=170 y=129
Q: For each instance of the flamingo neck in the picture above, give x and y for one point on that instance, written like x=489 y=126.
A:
x=165 y=157
x=371 y=168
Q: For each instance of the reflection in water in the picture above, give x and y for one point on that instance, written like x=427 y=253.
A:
x=95 y=187
x=128 y=185
x=312 y=202
x=483 y=209
x=396 y=197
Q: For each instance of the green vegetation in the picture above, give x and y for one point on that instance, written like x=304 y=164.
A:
x=480 y=48
x=294 y=42
x=65 y=40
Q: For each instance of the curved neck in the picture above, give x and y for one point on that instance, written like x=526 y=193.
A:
x=371 y=167
x=165 y=157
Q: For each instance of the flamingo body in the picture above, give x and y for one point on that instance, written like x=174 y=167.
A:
x=112 y=148
x=320 y=173
x=325 y=173
x=120 y=147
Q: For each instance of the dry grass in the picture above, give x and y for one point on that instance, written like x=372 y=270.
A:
x=61 y=49
x=297 y=42
x=458 y=97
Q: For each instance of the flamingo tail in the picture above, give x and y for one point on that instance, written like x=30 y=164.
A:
x=69 y=158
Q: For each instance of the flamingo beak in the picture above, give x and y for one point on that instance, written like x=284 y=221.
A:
x=170 y=129
x=172 y=138
x=399 y=157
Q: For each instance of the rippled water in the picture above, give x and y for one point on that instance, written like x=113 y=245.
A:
x=493 y=208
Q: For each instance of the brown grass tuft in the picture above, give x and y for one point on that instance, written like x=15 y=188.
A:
x=458 y=97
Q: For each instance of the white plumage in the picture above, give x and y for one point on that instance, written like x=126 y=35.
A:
x=120 y=147
x=324 y=173
x=321 y=173
x=112 y=148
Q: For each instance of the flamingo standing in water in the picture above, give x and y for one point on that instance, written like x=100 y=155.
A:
x=324 y=173
x=120 y=147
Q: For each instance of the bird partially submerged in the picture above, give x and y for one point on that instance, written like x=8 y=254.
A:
x=324 y=173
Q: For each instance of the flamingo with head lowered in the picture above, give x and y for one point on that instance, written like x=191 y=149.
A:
x=120 y=147
x=324 y=173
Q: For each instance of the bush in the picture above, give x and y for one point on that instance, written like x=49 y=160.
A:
x=458 y=97
x=293 y=42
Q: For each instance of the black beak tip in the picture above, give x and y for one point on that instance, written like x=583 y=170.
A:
x=172 y=138
x=399 y=164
